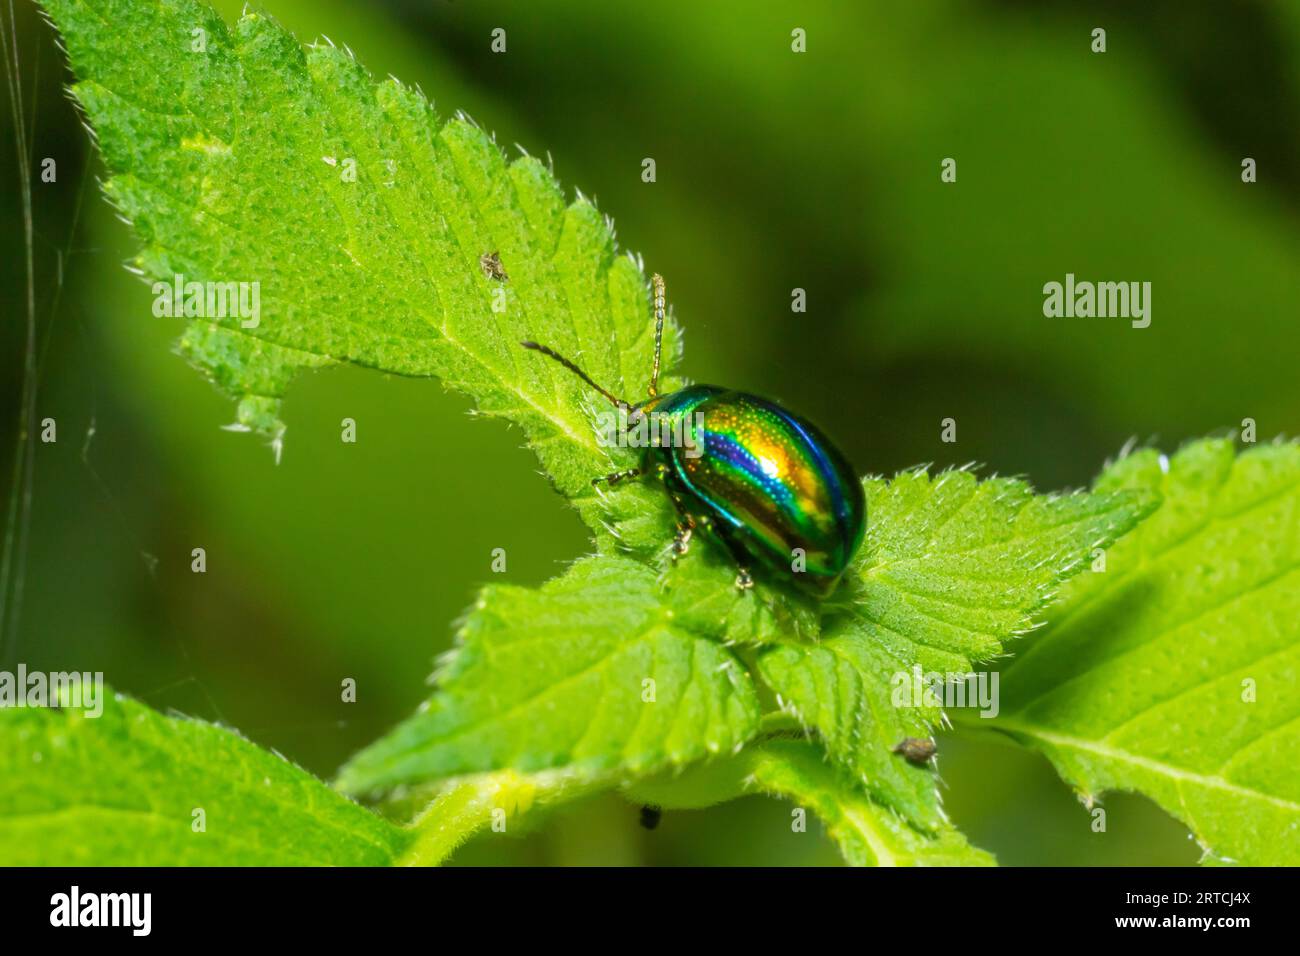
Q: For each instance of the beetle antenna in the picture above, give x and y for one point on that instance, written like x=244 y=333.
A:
x=658 y=282
x=546 y=350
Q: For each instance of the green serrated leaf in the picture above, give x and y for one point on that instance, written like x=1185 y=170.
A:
x=590 y=672
x=1175 y=673
x=842 y=687
x=952 y=568
x=701 y=589
x=122 y=789
x=362 y=217
x=867 y=833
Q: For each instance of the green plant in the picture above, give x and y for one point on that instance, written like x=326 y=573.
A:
x=239 y=156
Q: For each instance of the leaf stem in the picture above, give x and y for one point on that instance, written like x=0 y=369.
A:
x=495 y=800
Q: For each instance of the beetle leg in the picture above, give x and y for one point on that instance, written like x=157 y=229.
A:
x=685 y=522
x=685 y=527
x=682 y=540
x=617 y=476
x=744 y=580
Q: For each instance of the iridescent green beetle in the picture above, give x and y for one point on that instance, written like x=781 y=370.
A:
x=767 y=484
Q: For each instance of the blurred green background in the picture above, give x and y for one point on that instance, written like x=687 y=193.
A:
x=775 y=170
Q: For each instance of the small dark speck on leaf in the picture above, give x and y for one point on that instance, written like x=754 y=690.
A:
x=915 y=750
x=650 y=817
x=490 y=262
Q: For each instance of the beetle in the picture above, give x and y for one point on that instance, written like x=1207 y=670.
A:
x=764 y=482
